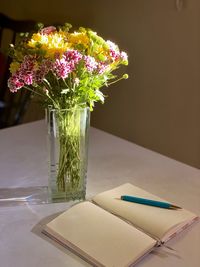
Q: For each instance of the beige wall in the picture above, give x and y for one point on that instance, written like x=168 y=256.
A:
x=159 y=106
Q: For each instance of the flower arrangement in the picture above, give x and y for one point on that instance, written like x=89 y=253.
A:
x=67 y=69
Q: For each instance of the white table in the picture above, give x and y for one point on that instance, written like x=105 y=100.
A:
x=112 y=161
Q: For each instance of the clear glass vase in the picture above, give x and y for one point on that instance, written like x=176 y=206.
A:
x=68 y=153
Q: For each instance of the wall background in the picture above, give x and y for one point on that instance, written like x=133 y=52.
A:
x=158 y=106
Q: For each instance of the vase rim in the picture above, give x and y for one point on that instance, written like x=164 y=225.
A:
x=50 y=108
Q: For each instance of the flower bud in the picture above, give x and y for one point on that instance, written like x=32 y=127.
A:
x=125 y=76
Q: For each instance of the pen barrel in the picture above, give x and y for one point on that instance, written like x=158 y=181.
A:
x=149 y=202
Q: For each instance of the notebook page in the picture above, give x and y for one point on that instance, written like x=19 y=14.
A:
x=99 y=236
x=153 y=220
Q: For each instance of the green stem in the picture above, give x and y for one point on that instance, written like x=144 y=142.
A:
x=69 y=142
x=121 y=78
x=26 y=87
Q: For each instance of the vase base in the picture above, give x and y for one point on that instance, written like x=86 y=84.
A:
x=66 y=196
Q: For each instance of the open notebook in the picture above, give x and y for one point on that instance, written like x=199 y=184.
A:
x=114 y=233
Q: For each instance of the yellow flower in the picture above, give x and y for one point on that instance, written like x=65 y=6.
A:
x=55 y=42
x=36 y=38
x=79 y=38
x=14 y=66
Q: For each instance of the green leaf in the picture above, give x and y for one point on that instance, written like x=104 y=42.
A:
x=101 y=57
x=100 y=95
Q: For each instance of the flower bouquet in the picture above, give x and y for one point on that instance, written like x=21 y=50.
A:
x=66 y=69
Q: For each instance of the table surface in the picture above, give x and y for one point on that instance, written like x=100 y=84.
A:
x=112 y=162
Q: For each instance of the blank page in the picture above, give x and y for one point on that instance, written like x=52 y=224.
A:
x=158 y=222
x=100 y=237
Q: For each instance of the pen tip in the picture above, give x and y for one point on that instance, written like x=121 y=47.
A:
x=175 y=207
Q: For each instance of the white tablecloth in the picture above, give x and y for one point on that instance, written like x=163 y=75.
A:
x=112 y=161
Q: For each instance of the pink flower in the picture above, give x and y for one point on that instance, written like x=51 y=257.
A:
x=124 y=56
x=43 y=70
x=62 y=68
x=102 y=67
x=48 y=30
x=65 y=65
x=73 y=55
x=114 y=55
x=90 y=63
x=28 y=74
x=111 y=45
x=25 y=73
x=28 y=79
x=14 y=84
x=114 y=50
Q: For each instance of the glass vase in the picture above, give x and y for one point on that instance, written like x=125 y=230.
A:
x=68 y=153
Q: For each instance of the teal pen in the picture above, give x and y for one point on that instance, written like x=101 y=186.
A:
x=149 y=202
